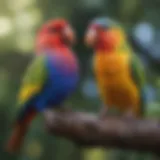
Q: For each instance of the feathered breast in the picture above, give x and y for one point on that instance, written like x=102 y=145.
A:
x=111 y=64
x=63 y=69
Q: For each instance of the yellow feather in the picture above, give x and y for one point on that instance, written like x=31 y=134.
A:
x=27 y=92
x=115 y=84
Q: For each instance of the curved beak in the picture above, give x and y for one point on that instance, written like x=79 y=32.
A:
x=90 y=37
x=69 y=34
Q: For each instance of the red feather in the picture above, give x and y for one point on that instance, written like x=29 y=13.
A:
x=47 y=37
x=18 y=134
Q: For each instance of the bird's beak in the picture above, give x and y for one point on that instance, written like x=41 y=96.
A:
x=69 y=34
x=90 y=37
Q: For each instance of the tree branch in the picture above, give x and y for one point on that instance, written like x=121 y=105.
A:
x=114 y=132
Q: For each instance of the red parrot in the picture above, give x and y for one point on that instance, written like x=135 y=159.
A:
x=50 y=78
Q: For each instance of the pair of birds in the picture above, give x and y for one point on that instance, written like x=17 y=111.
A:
x=53 y=74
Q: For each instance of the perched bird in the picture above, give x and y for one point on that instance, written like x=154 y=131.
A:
x=119 y=73
x=51 y=77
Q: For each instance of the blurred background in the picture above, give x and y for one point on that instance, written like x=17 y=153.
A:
x=19 y=21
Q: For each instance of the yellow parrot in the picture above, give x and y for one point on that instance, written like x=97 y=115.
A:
x=119 y=74
x=118 y=71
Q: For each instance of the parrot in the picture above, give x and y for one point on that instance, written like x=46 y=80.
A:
x=118 y=71
x=119 y=74
x=50 y=78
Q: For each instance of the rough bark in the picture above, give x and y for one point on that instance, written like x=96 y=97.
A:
x=113 y=132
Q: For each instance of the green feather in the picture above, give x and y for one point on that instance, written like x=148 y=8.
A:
x=34 y=79
x=138 y=76
x=137 y=71
x=36 y=71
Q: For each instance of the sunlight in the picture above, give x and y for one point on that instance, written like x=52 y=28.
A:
x=17 y=5
x=25 y=42
x=6 y=26
x=28 y=20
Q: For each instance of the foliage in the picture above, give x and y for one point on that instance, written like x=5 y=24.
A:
x=25 y=17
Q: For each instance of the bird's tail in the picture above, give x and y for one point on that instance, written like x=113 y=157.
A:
x=19 y=131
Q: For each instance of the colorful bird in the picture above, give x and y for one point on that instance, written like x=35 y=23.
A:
x=118 y=71
x=51 y=77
